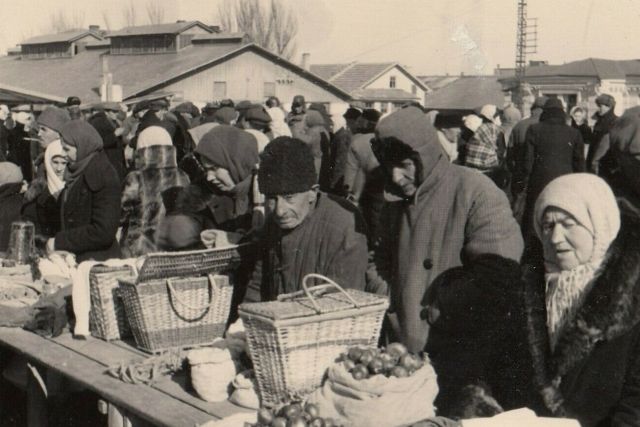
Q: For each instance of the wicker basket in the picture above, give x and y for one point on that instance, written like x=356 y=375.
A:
x=107 y=318
x=292 y=341
x=178 y=312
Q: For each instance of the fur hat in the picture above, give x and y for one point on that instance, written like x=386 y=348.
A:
x=54 y=118
x=286 y=167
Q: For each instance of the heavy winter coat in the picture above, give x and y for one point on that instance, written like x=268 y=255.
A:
x=594 y=373
x=456 y=214
x=600 y=129
x=91 y=212
x=142 y=205
x=11 y=202
x=111 y=143
x=330 y=241
x=41 y=208
x=517 y=150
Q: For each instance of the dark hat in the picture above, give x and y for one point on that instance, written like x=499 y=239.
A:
x=553 y=104
x=606 y=99
x=107 y=106
x=187 y=108
x=211 y=107
x=142 y=105
x=539 y=102
x=299 y=99
x=447 y=121
x=243 y=105
x=158 y=104
x=54 y=118
x=257 y=114
x=73 y=100
x=286 y=167
x=225 y=115
x=371 y=115
x=227 y=103
x=352 y=113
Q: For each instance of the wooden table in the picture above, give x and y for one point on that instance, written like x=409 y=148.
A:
x=166 y=403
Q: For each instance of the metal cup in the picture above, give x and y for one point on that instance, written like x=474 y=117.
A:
x=22 y=242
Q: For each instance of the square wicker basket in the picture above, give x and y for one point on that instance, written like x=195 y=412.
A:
x=294 y=340
x=107 y=318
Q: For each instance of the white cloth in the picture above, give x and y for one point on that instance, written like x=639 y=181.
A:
x=153 y=135
x=54 y=183
x=278 y=124
x=262 y=139
x=519 y=417
x=472 y=122
x=81 y=294
x=451 y=148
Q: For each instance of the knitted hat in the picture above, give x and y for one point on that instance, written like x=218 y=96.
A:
x=54 y=118
x=257 y=114
x=10 y=173
x=606 y=99
x=589 y=199
x=286 y=167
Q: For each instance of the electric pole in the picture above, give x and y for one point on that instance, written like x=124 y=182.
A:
x=526 y=44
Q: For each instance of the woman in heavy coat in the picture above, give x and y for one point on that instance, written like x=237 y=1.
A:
x=156 y=170
x=221 y=198
x=90 y=208
x=584 y=312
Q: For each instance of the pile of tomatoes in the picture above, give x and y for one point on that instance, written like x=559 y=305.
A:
x=392 y=361
x=294 y=415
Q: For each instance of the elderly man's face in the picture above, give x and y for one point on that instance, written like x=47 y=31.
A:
x=47 y=135
x=290 y=210
x=404 y=176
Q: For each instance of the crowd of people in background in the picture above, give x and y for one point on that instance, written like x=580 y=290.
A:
x=508 y=246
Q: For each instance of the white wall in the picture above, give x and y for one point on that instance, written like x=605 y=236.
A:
x=402 y=82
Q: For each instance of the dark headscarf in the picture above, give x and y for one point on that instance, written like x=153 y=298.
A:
x=230 y=148
x=88 y=143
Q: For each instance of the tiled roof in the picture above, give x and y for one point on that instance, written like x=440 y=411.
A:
x=437 y=82
x=467 y=93
x=383 y=95
x=67 y=36
x=326 y=71
x=172 y=28
x=357 y=75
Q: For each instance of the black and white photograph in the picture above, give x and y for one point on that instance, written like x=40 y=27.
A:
x=320 y=213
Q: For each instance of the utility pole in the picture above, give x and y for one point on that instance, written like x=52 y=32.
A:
x=526 y=44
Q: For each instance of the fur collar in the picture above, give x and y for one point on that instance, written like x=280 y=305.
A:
x=611 y=309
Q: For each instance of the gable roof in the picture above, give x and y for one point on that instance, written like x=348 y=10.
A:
x=171 y=28
x=356 y=75
x=66 y=36
x=602 y=69
x=467 y=93
x=137 y=74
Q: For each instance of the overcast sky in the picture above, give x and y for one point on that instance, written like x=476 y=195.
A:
x=428 y=36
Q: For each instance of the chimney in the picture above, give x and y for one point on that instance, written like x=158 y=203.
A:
x=305 y=60
x=94 y=28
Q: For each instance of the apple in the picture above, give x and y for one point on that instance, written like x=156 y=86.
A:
x=396 y=350
x=279 y=422
x=317 y=422
x=360 y=372
x=400 y=372
x=312 y=410
x=376 y=366
x=265 y=416
x=297 y=422
x=349 y=365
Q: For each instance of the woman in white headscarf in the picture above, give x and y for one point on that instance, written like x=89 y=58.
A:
x=278 y=125
x=583 y=315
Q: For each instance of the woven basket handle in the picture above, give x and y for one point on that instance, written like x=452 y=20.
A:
x=177 y=297
x=329 y=284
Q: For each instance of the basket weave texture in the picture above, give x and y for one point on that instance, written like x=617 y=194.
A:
x=177 y=313
x=293 y=342
x=107 y=318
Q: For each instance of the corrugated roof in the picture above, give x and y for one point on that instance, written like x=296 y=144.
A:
x=172 y=28
x=326 y=71
x=383 y=95
x=467 y=93
x=437 y=82
x=357 y=75
x=67 y=36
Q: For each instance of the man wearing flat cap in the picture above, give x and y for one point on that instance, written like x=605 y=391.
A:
x=105 y=122
x=73 y=107
x=599 y=160
x=306 y=231
x=255 y=120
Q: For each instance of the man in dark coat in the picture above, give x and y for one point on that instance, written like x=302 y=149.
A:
x=104 y=121
x=341 y=143
x=306 y=231
x=553 y=149
x=10 y=200
x=599 y=160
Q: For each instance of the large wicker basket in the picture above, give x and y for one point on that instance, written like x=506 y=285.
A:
x=178 y=312
x=292 y=341
x=107 y=318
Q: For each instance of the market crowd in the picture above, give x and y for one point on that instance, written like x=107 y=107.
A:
x=509 y=246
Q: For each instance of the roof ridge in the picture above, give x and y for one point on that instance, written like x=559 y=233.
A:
x=339 y=73
x=389 y=66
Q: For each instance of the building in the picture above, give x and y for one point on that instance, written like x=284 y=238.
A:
x=185 y=60
x=62 y=45
x=463 y=94
x=383 y=86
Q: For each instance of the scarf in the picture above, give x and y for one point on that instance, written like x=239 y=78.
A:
x=54 y=183
x=87 y=142
x=154 y=135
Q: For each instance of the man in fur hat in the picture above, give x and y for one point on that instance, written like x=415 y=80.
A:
x=306 y=231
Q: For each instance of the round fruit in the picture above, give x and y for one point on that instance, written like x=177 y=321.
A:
x=355 y=353
x=366 y=358
x=349 y=365
x=360 y=372
x=400 y=372
x=297 y=422
x=292 y=411
x=312 y=410
x=265 y=416
x=376 y=366
x=388 y=365
x=396 y=350
x=279 y=422
x=386 y=357
x=317 y=422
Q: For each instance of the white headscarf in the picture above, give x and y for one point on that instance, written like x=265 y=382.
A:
x=54 y=183
x=154 y=135
x=591 y=202
x=278 y=125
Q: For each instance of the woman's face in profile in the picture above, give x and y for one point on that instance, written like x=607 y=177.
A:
x=566 y=243
x=59 y=164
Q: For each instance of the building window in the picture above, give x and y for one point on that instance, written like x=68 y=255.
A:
x=384 y=107
x=269 y=89
x=414 y=89
x=219 y=90
x=368 y=105
x=392 y=82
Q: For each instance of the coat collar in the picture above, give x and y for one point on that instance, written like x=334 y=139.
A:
x=611 y=309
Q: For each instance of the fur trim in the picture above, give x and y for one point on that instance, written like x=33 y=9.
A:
x=611 y=309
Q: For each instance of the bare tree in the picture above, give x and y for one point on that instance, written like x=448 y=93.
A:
x=61 y=21
x=129 y=14
x=268 y=24
x=155 y=12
